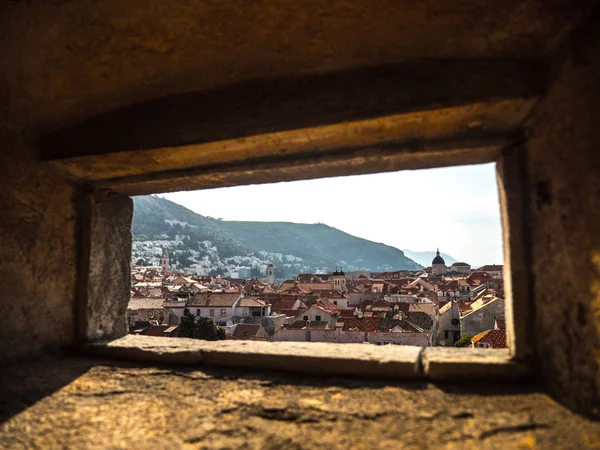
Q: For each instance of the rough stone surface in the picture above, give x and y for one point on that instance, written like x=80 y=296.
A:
x=37 y=250
x=109 y=282
x=79 y=403
x=350 y=359
x=74 y=60
x=564 y=165
x=442 y=363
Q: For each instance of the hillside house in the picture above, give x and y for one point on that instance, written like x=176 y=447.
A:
x=218 y=306
x=449 y=324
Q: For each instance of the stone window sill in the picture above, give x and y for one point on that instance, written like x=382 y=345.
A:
x=390 y=361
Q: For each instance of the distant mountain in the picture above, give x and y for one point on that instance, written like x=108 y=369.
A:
x=208 y=245
x=425 y=258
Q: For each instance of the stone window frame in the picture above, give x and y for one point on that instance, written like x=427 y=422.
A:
x=431 y=362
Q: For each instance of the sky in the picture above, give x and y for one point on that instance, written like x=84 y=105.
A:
x=454 y=208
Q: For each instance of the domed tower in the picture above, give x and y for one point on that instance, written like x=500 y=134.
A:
x=164 y=262
x=438 y=265
x=338 y=280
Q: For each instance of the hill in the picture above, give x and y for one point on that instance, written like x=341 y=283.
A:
x=203 y=244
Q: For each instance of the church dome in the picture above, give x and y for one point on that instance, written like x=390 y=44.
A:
x=438 y=259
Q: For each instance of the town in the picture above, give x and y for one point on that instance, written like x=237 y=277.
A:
x=436 y=306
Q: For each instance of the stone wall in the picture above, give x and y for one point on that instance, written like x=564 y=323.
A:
x=418 y=339
x=351 y=337
x=337 y=336
x=285 y=335
x=482 y=319
x=38 y=251
x=564 y=168
x=108 y=285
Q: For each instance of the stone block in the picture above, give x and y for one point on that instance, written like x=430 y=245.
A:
x=392 y=361
x=107 y=288
x=441 y=363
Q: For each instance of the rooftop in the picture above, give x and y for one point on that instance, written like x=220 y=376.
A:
x=495 y=337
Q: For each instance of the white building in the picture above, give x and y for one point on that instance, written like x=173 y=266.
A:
x=219 y=306
x=461 y=267
x=492 y=269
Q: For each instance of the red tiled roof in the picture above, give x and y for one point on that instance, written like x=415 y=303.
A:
x=331 y=307
x=174 y=304
x=280 y=304
x=217 y=299
x=479 y=275
x=370 y=324
x=464 y=306
x=145 y=303
x=291 y=312
x=491 y=268
x=251 y=301
x=157 y=330
x=245 y=330
x=497 y=338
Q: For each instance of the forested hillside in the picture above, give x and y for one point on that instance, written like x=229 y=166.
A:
x=206 y=245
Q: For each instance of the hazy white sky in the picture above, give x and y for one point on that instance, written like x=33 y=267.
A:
x=455 y=208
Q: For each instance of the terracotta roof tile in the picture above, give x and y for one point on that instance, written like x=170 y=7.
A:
x=497 y=338
x=370 y=324
x=145 y=303
x=252 y=302
x=217 y=299
x=246 y=330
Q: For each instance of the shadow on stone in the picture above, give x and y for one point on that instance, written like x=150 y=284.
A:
x=25 y=383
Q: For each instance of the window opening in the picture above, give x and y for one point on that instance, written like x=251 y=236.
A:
x=421 y=273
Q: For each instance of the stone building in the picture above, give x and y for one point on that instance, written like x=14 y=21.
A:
x=338 y=280
x=482 y=316
x=449 y=324
x=271 y=274
x=164 y=261
x=461 y=267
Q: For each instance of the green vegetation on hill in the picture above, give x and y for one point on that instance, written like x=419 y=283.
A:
x=307 y=246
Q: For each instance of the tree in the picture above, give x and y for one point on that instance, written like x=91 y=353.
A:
x=199 y=328
x=216 y=272
x=464 y=341
x=187 y=326
x=207 y=330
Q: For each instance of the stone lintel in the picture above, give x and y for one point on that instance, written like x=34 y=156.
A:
x=404 y=133
x=342 y=163
x=267 y=105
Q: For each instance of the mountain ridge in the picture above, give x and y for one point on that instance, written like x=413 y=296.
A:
x=209 y=245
